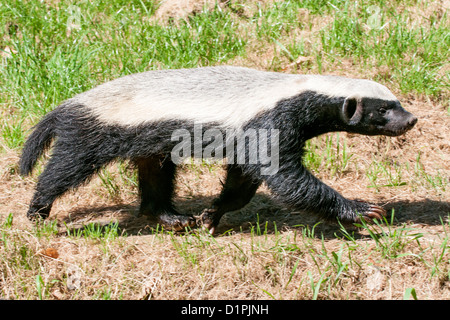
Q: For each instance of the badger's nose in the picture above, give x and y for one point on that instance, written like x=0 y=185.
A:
x=412 y=121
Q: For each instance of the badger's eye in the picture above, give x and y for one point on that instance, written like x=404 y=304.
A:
x=382 y=111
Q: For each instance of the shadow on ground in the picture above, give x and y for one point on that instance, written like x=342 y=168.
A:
x=262 y=214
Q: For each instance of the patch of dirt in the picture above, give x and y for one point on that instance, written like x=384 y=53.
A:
x=161 y=273
x=173 y=10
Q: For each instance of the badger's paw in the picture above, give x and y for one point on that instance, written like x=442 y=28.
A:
x=176 y=222
x=368 y=212
x=38 y=212
x=206 y=220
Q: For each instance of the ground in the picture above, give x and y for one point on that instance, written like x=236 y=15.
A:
x=94 y=246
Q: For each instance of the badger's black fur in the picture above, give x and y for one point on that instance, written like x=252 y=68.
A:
x=90 y=134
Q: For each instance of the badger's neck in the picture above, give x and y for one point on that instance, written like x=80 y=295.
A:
x=304 y=116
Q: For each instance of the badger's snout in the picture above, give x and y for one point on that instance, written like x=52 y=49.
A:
x=400 y=123
x=411 y=121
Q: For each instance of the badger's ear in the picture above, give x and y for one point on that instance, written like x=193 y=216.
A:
x=352 y=110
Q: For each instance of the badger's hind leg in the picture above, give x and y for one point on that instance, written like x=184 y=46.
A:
x=64 y=171
x=156 y=188
x=237 y=192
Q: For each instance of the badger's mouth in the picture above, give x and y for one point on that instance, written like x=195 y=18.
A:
x=393 y=132
x=397 y=128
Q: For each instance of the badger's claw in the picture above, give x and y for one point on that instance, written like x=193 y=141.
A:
x=175 y=222
x=206 y=220
x=372 y=212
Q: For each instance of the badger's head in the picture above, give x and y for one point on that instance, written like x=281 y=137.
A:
x=377 y=113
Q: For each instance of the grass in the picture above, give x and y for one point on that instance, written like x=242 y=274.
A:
x=280 y=265
x=51 y=51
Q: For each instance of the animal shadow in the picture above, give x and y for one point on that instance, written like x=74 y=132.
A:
x=261 y=215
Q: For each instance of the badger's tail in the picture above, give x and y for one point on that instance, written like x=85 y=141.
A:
x=39 y=140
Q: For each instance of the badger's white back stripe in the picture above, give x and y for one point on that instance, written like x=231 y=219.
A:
x=229 y=96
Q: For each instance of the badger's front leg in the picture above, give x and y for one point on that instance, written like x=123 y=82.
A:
x=237 y=192
x=295 y=186
x=156 y=188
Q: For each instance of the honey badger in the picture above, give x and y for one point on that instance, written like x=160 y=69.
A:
x=134 y=117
